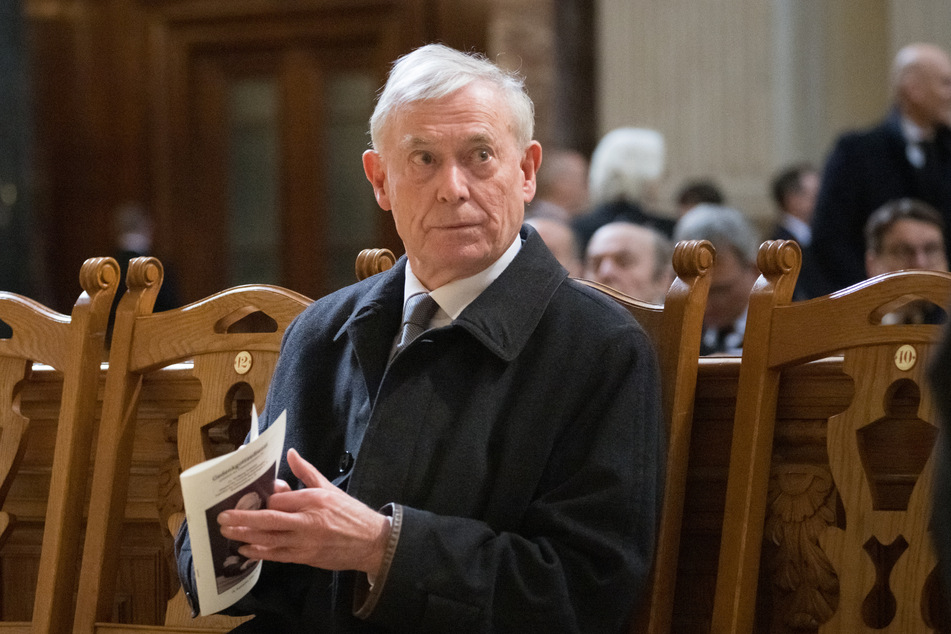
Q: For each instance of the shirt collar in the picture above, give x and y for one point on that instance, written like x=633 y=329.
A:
x=456 y=295
x=800 y=230
x=733 y=342
x=913 y=135
x=911 y=131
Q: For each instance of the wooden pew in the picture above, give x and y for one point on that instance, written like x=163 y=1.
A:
x=73 y=344
x=808 y=395
x=800 y=501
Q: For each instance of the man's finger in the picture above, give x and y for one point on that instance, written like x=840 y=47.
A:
x=267 y=520
x=306 y=472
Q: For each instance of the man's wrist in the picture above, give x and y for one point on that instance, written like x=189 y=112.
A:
x=379 y=550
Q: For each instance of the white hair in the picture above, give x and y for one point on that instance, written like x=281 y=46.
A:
x=724 y=227
x=435 y=71
x=624 y=162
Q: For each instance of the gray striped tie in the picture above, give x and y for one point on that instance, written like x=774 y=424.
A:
x=419 y=310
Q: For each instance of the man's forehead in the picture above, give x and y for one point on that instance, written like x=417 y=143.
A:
x=615 y=246
x=910 y=228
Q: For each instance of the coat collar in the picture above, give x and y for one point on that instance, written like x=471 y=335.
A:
x=502 y=318
x=505 y=315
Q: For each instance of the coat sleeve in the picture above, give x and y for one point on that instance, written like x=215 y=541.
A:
x=582 y=552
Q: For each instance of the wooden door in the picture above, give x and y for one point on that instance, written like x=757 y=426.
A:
x=260 y=121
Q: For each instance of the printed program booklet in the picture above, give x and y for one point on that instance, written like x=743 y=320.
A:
x=242 y=479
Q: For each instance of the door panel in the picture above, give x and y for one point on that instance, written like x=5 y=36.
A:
x=259 y=178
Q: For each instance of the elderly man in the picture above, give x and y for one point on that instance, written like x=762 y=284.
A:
x=500 y=471
x=906 y=156
x=733 y=275
x=906 y=234
x=631 y=258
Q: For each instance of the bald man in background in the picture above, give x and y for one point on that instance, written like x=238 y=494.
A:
x=634 y=259
x=561 y=240
x=908 y=155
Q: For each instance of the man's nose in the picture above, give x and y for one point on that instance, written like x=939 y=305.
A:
x=453 y=184
x=920 y=259
x=605 y=270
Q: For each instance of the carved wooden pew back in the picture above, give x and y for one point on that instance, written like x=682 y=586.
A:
x=73 y=345
x=878 y=467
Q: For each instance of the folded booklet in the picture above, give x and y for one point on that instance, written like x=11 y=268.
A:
x=242 y=479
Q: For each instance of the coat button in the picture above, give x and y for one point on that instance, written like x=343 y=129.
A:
x=345 y=463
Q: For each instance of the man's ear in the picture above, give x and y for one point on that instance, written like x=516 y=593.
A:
x=531 y=161
x=376 y=174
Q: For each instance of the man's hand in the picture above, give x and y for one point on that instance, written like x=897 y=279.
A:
x=320 y=526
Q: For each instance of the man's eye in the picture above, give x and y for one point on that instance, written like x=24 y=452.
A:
x=482 y=155
x=423 y=158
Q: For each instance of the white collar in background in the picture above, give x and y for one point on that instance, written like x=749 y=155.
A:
x=799 y=229
x=913 y=136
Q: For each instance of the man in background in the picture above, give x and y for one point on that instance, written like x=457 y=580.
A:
x=733 y=275
x=631 y=258
x=907 y=234
x=562 y=186
x=908 y=155
x=696 y=191
x=133 y=229
x=794 y=190
x=560 y=240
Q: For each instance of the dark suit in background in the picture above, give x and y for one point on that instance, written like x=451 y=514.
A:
x=865 y=170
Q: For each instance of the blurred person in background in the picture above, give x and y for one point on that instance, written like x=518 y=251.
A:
x=733 y=275
x=626 y=169
x=908 y=155
x=794 y=190
x=696 y=191
x=901 y=235
x=132 y=229
x=560 y=240
x=562 y=186
x=631 y=258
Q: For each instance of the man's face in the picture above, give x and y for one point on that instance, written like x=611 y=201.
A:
x=571 y=188
x=802 y=201
x=623 y=257
x=908 y=244
x=730 y=283
x=450 y=171
x=930 y=89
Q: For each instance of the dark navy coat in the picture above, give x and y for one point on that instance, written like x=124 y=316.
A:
x=519 y=450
